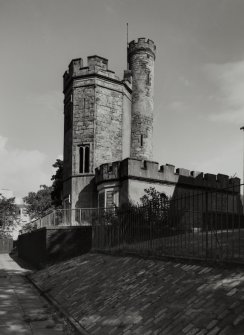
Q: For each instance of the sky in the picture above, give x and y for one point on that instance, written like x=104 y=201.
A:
x=199 y=79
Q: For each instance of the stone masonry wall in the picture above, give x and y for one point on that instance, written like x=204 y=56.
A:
x=83 y=121
x=109 y=114
x=68 y=115
x=94 y=104
x=141 y=57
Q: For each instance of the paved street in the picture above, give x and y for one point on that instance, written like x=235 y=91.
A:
x=131 y=296
x=22 y=309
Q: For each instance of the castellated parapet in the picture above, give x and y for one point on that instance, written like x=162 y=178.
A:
x=143 y=45
x=166 y=174
x=95 y=65
x=141 y=56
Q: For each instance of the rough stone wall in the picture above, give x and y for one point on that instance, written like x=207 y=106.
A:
x=108 y=132
x=141 y=57
x=68 y=116
x=94 y=105
x=83 y=121
x=126 y=136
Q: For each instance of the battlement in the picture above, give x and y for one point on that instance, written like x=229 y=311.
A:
x=149 y=170
x=141 y=45
x=97 y=61
x=95 y=65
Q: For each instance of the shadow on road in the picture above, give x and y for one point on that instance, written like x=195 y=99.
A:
x=22 y=309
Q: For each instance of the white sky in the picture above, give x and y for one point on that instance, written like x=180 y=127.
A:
x=199 y=84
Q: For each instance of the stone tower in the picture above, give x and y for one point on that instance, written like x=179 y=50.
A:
x=96 y=126
x=141 y=57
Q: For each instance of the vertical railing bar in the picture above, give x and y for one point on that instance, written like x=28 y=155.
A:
x=222 y=216
x=233 y=222
x=216 y=225
x=193 y=223
x=210 y=205
x=206 y=219
x=239 y=222
x=227 y=225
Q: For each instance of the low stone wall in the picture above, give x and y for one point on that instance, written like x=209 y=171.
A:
x=51 y=244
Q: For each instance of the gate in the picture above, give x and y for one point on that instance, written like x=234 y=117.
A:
x=6 y=245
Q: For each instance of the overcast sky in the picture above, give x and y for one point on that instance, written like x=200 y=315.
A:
x=199 y=79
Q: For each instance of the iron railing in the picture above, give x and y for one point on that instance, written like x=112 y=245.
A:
x=202 y=225
x=68 y=217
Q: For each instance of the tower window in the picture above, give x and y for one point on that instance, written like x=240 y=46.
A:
x=148 y=79
x=84 y=159
x=141 y=140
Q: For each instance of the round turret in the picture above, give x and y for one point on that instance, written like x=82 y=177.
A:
x=141 y=57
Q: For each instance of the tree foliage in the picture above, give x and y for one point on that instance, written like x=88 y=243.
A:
x=57 y=185
x=8 y=213
x=153 y=198
x=40 y=202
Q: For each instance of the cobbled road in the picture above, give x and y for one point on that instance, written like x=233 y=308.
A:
x=125 y=296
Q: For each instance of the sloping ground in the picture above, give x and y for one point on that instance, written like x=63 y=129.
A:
x=126 y=295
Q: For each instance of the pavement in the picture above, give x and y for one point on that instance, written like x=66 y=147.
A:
x=111 y=295
x=22 y=309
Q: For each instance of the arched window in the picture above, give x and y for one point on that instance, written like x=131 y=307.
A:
x=84 y=159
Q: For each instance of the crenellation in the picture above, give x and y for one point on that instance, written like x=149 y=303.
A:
x=96 y=66
x=183 y=172
x=142 y=45
x=210 y=178
x=234 y=181
x=149 y=170
x=97 y=61
x=222 y=178
x=196 y=174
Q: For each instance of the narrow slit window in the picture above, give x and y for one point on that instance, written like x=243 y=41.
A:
x=148 y=79
x=84 y=159
x=87 y=158
x=141 y=140
x=81 y=159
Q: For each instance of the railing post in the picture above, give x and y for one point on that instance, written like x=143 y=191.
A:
x=150 y=220
x=206 y=221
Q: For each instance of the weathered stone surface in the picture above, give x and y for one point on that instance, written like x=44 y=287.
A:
x=94 y=115
x=141 y=57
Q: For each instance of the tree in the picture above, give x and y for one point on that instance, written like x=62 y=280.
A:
x=8 y=213
x=153 y=198
x=39 y=203
x=57 y=185
x=156 y=206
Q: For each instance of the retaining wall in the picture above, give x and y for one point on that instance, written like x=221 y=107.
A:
x=52 y=244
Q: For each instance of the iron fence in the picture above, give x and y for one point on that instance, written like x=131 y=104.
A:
x=194 y=224
x=67 y=217
x=202 y=225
